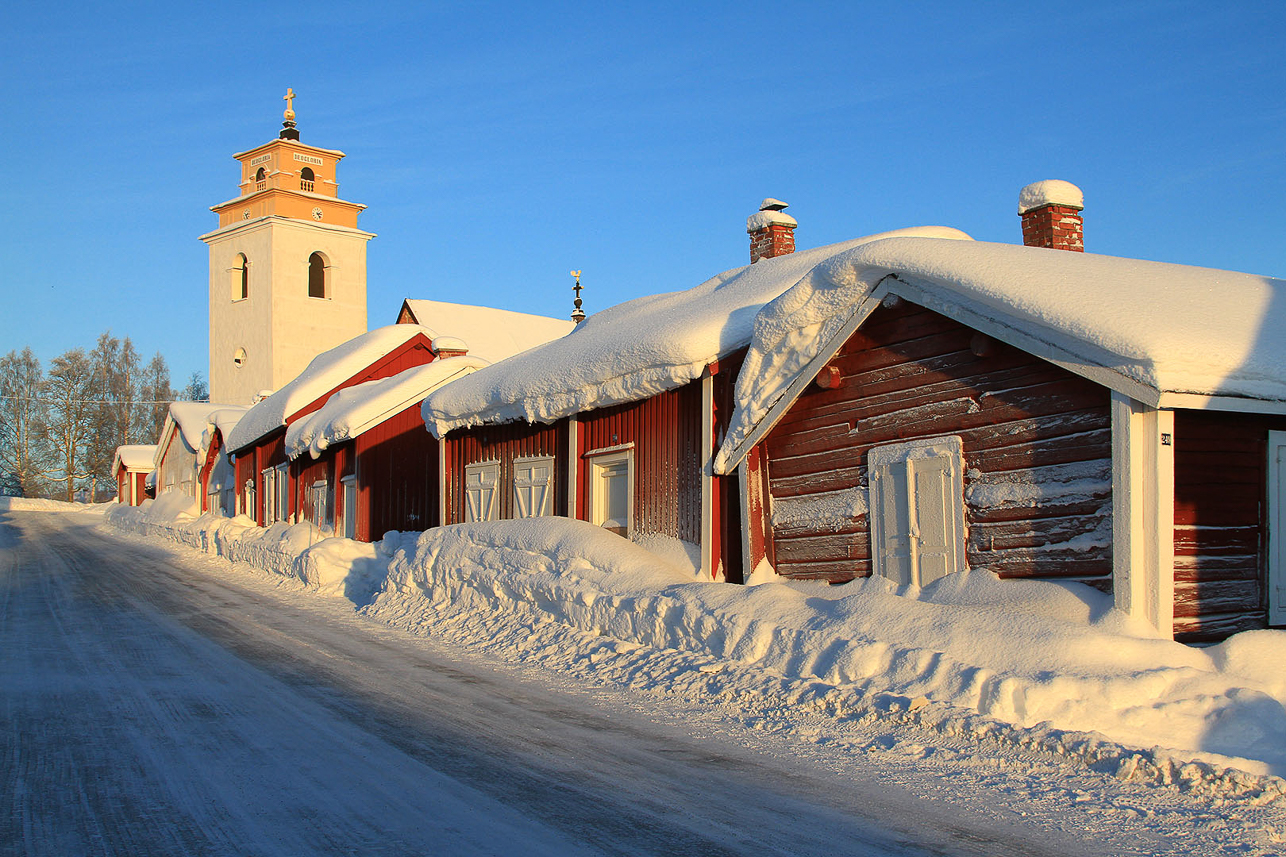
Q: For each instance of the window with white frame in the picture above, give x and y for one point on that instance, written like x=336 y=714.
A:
x=348 y=509
x=281 y=490
x=319 y=493
x=269 y=476
x=533 y=487
x=1277 y=528
x=917 y=509
x=611 y=491
x=480 y=489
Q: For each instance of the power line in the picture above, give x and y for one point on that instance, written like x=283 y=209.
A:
x=101 y=401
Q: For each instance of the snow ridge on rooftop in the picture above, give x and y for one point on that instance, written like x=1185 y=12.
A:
x=191 y=417
x=326 y=371
x=633 y=350
x=136 y=456
x=353 y=410
x=492 y=334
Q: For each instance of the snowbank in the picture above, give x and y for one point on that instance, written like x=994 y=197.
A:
x=35 y=504
x=1045 y=665
x=332 y=566
x=633 y=350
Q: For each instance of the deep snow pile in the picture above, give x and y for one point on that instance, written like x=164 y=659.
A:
x=1028 y=662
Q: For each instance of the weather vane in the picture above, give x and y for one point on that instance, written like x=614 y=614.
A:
x=578 y=314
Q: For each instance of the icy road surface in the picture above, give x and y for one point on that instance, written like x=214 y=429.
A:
x=159 y=702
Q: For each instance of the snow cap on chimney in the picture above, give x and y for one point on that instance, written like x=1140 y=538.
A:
x=449 y=346
x=772 y=231
x=1051 y=213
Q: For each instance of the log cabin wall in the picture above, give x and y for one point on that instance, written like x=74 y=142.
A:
x=1220 y=523
x=397 y=476
x=664 y=430
x=1037 y=451
x=504 y=443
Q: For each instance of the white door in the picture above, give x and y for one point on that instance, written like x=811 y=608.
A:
x=917 y=509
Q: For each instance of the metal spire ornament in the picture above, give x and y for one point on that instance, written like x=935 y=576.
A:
x=578 y=314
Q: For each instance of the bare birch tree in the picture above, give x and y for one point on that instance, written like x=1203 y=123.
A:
x=71 y=397
x=23 y=452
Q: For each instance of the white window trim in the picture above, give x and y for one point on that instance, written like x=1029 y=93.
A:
x=885 y=459
x=597 y=496
x=493 y=511
x=1276 y=528
x=346 y=517
x=321 y=505
x=282 y=491
x=547 y=507
x=1143 y=511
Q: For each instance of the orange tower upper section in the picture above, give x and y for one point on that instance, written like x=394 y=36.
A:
x=288 y=178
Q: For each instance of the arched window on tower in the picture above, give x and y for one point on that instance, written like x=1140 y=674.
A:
x=240 y=277
x=306 y=178
x=261 y=179
x=317 y=276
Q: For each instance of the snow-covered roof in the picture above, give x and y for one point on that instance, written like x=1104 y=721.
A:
x=1167 y=335
x=633 y=350
x=353 y=410
x=326 y=371
x=135 y=456
x=224 y=421
x=492 y=334
x=190 y=417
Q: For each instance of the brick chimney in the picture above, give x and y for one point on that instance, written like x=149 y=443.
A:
x=449 y=346
x=1051 y=212
x=772 y=232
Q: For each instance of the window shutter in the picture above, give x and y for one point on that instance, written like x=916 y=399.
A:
x=480 y=491
x=533 y=487
x=890 y=523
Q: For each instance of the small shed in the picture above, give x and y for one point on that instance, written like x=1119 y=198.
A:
x=130 y=468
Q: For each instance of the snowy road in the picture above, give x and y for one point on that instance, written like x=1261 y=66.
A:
x=154 y=704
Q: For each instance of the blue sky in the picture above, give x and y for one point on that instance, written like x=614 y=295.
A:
x=500 y=145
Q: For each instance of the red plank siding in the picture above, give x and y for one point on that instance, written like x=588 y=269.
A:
x=1220 y=523
x=397 y=477
x=504 y=443
x=910 y=373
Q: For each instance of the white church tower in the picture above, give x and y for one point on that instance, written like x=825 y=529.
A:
x=287 y=267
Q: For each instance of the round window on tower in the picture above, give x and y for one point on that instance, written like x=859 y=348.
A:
x=239 y=357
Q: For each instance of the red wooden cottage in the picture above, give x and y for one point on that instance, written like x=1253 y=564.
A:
x=130 y=467
x=268 y=489
x=371 y=439
x=180 y=453
x=617 y=423
x=217 y=475
x=914 y=407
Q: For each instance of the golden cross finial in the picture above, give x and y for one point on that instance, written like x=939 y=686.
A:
x=290 y=107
